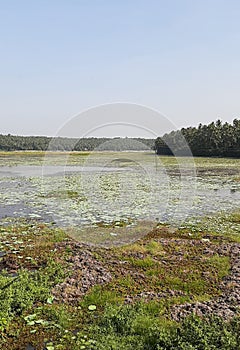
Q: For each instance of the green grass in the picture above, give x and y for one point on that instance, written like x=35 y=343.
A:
x=41 y=157
x=165 y=259
x=144 y=263
x=221 y=264
x=133 y=327
x=100 y=297
x=64 y=194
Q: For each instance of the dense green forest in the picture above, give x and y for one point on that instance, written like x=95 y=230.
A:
x=215 y=139
x=43 y=143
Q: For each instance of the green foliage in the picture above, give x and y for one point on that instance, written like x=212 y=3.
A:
x=100 y=297
x=143 y=263
x=131 y=327
x=43 y=143
x=154 y=248
x=19 y=294
x=29 y=314
x=215 y=139
x=221 y=263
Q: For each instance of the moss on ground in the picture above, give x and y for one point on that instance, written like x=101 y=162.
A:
x=168 y=266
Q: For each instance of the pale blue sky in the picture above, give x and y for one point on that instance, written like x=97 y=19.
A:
x=59 y=57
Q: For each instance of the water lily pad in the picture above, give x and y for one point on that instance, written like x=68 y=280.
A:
x=92 y=307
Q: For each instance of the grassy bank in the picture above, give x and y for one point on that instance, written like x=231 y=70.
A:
x=56 y=293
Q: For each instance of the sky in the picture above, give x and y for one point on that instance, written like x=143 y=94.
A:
x=59 y=58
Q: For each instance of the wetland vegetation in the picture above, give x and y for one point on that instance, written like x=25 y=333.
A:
x=147 y=274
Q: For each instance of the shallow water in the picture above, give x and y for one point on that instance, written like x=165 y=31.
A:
x=111 y=187
x=34 y=170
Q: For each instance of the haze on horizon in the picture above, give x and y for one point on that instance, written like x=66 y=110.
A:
x=60 y=58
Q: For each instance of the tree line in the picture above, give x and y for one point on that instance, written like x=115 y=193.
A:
x=43 y=143
x=216 y=139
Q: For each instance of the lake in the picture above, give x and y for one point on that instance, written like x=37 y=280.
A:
x=105 y=187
